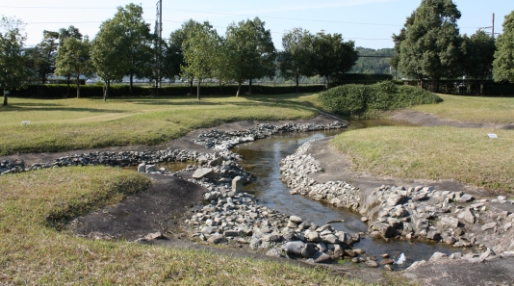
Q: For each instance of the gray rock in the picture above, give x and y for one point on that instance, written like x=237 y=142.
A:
x=395 y=199
x=338 y=251
x=273 y=253
x=296 y=219
x=394 y=223
x=433 y=235
x=216 y=162
x=232 y=233
x=449 y=240
x=449 y=222
x=320 y=257
x=255 y=243
x=274 y=237
x=141 y=168
x=330 y=238
x=467 y=215
x=384 y=229
x=309 y=250
x=438 y=256
x=488 y=226
x=150 y=168
x=371 y=263
x=216 y=239
x=364 y=219
x=312 y=236
x=202 y=172
x=237 y=184
x=464 y=198
x=294 y=248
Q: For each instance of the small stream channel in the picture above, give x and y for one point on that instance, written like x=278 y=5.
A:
x=262 y=158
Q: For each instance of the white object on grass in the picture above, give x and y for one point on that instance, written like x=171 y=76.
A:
x=25 y=123
x=492 y=135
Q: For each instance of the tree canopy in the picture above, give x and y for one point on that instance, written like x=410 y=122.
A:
x=13 y=69
x=430 y=41
x=250 y=52
x=297 y=57
x=478 y=55
x=74 y=57
x=503 y=66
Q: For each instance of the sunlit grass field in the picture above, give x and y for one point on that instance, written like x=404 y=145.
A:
x=70 y=124
x=472 y=109
x=464 y=154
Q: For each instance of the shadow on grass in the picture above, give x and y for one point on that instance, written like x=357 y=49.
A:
x=59 y=108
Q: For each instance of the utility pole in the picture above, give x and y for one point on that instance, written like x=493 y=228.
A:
x=158 y=44
x=493 y=26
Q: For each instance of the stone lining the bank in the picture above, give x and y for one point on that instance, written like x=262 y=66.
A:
x=113 y=159
x=454 y=218
x=225 y=140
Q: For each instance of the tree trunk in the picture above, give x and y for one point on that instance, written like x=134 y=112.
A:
x=238 y=89
x=327 y=82
x=78 y=86
x=68 y=88
x=131 y=81
x=250 y=87
x=191 y=87
x=198 y=90
x=435 y=84
x=106 y=94
x=5 y=98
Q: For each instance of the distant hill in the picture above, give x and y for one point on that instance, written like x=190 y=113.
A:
x=373 y=65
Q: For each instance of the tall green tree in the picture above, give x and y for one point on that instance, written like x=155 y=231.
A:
x=70 y=32
x=42 y=56
x=333 y=56
x=108 y=55
x=478 y=55
x=503 y=66
x=13 y=69
x=200 y=53
x=174 y=56
x=74 y=56
x=136 y=40
x=398 y=39
x=297 y=57
x=251 y=53
x=432 y=41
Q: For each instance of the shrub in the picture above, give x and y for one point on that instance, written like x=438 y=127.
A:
x=355 y=99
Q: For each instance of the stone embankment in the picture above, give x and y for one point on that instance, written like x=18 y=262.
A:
x=420 y=212
x=113 y=159
x=225 y=140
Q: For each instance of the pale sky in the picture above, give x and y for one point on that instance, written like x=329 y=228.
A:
x=370 y=23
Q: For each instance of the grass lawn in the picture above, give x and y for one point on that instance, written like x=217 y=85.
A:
x=68 y=124
x=472 y=109
x=34 y=252
x=466 y=155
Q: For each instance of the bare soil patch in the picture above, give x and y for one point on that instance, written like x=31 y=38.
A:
x=426 y=119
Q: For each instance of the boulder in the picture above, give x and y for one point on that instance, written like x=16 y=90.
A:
x=468 y=216
x=394 y=223
x=141 y=168
x=464 y=198
x=384 y=229
x=273 y=253
x=216 y=239
x=150 y=168
x=202 y=172
x=294 y=248
x=232 y=233
x=371 y=264
x=216 y=162
x=438 y=256
x=312 y=236
x=395 y=199
x=295 y=219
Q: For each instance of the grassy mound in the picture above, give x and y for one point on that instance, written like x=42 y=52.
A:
x=466 y=155
x=33 y=252
x=356 y=100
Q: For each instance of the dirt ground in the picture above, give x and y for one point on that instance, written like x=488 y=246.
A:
x=426 y=119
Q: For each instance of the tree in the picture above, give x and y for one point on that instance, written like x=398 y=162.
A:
x=136 y=40
x=200 y=53
x=64 y=34
x=333 y=57
x=398 y=39
x=108 y=56
x=74 y=57
x=503 y=66
x=13 y=69
x=42 y=56
x=250 y=52
x=431 y=44
x=297 y=58
x=174 y=61
x=478 y=55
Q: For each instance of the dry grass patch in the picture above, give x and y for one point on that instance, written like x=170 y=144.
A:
x=478 y=109
x=466 y=155
x=34 y=252
x=68 y=124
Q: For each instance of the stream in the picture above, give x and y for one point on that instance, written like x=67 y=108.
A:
x=262 y=159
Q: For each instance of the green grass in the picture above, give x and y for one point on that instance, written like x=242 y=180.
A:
x=70 y=124
x=472 y=109
x=466 y=155
x=33 y=252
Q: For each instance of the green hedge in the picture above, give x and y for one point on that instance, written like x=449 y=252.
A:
x=367 y=77
x=357 y=99
x=61 y=90
x=498 y=89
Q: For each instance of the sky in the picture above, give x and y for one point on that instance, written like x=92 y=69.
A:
x=369 y=23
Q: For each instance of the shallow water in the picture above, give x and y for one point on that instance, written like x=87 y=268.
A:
x=262 y=158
